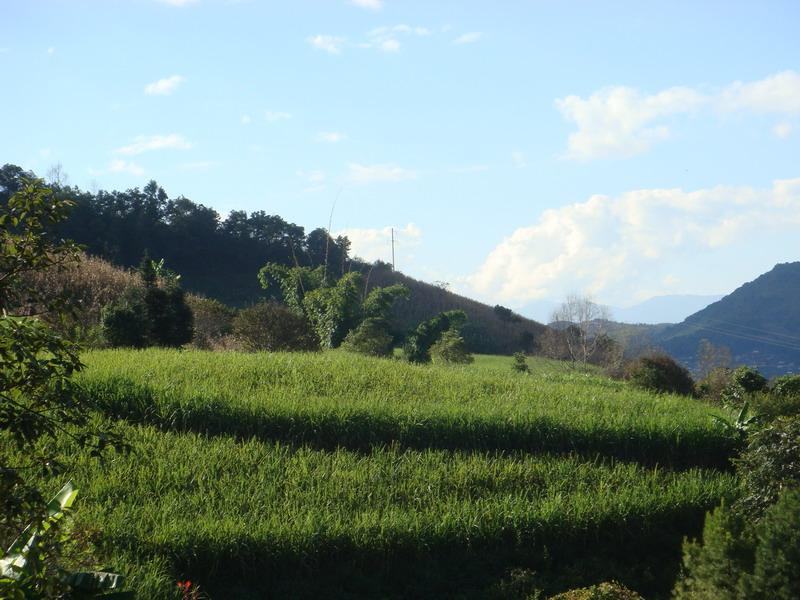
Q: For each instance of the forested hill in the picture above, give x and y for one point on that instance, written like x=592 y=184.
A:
x=220 y=258
x=759 y=322
x=216 y=257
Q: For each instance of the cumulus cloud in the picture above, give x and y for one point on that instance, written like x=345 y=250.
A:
x=331 y=44
x=368 y=4
x=779 y=93
x=164 y=87
x=122 y=166
x=246 y=120
x=331 y=137
x=468 y=38
x=519 y=160
x=619 y=121
x=145 y=143
x=378 y=173
x=618 y=246
x=376 y=244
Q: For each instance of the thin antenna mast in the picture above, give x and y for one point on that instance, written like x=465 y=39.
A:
x=393 y=249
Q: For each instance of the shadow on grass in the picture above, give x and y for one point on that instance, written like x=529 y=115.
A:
x=364 y=431
x=642 y=552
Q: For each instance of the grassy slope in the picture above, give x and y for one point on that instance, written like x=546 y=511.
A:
x=352 y=477
x=485 y=331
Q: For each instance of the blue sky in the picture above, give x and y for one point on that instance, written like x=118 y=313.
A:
x=522 y=150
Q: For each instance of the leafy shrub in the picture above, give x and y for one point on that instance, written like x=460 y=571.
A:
x=450 y=348
x=602 y=591
x=660 y=373
x=418 y=344
x=776 y=573
x=713 y=385
x=770 y=405
x=273 y=327
x=786 y=385
x=748 y=379
x=770 y=463
x=154 y=315
x=370 y=338
x=124 y=323
x=212 y=321
x=520 y=364
x=713 y=570
x=742 y=559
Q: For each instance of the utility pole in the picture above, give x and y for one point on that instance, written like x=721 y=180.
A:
x=392 y=248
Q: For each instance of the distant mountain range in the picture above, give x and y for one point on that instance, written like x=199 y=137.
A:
x=759 y=322
x=656 y=310
x=663 y=309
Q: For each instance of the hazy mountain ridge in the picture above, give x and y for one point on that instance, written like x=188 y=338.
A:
x=673 y=308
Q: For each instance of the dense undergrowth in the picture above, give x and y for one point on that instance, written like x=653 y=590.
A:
x=334 y=476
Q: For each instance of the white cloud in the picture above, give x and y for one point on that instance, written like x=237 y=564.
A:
x=275 y=116
x=246 y=120
x=378 y=173
x=178 y=3
x=51 y=50
x=368 y=4
x=620 y=247
x=779 y=93
x=331 y=137
x=376 y=244
x=783 y=130
x=468 y=38
x=384 y=38
x=329 y=43
x=164 y=87
x=620 y=122
x=143 y=143
x=122 y=166
x=391 y=45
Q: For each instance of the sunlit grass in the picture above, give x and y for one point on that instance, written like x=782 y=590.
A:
x=334 y=475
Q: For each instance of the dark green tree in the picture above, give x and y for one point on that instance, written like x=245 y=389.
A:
x=419 y=342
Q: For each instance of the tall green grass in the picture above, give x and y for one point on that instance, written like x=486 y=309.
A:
x=340 y=400
x=336 y=476
x=390 y=523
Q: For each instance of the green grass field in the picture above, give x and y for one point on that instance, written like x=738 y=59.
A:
x=337 y=476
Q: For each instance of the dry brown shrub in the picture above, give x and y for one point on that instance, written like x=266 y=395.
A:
x=88 y=286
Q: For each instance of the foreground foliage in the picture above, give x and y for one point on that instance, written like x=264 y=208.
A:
x=39 y=403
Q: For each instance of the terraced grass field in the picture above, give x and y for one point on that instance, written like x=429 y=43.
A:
x=337 y=476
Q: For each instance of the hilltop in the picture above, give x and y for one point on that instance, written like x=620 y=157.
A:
x=759 y=322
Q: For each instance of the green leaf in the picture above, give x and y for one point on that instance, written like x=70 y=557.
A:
x=95 y=581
